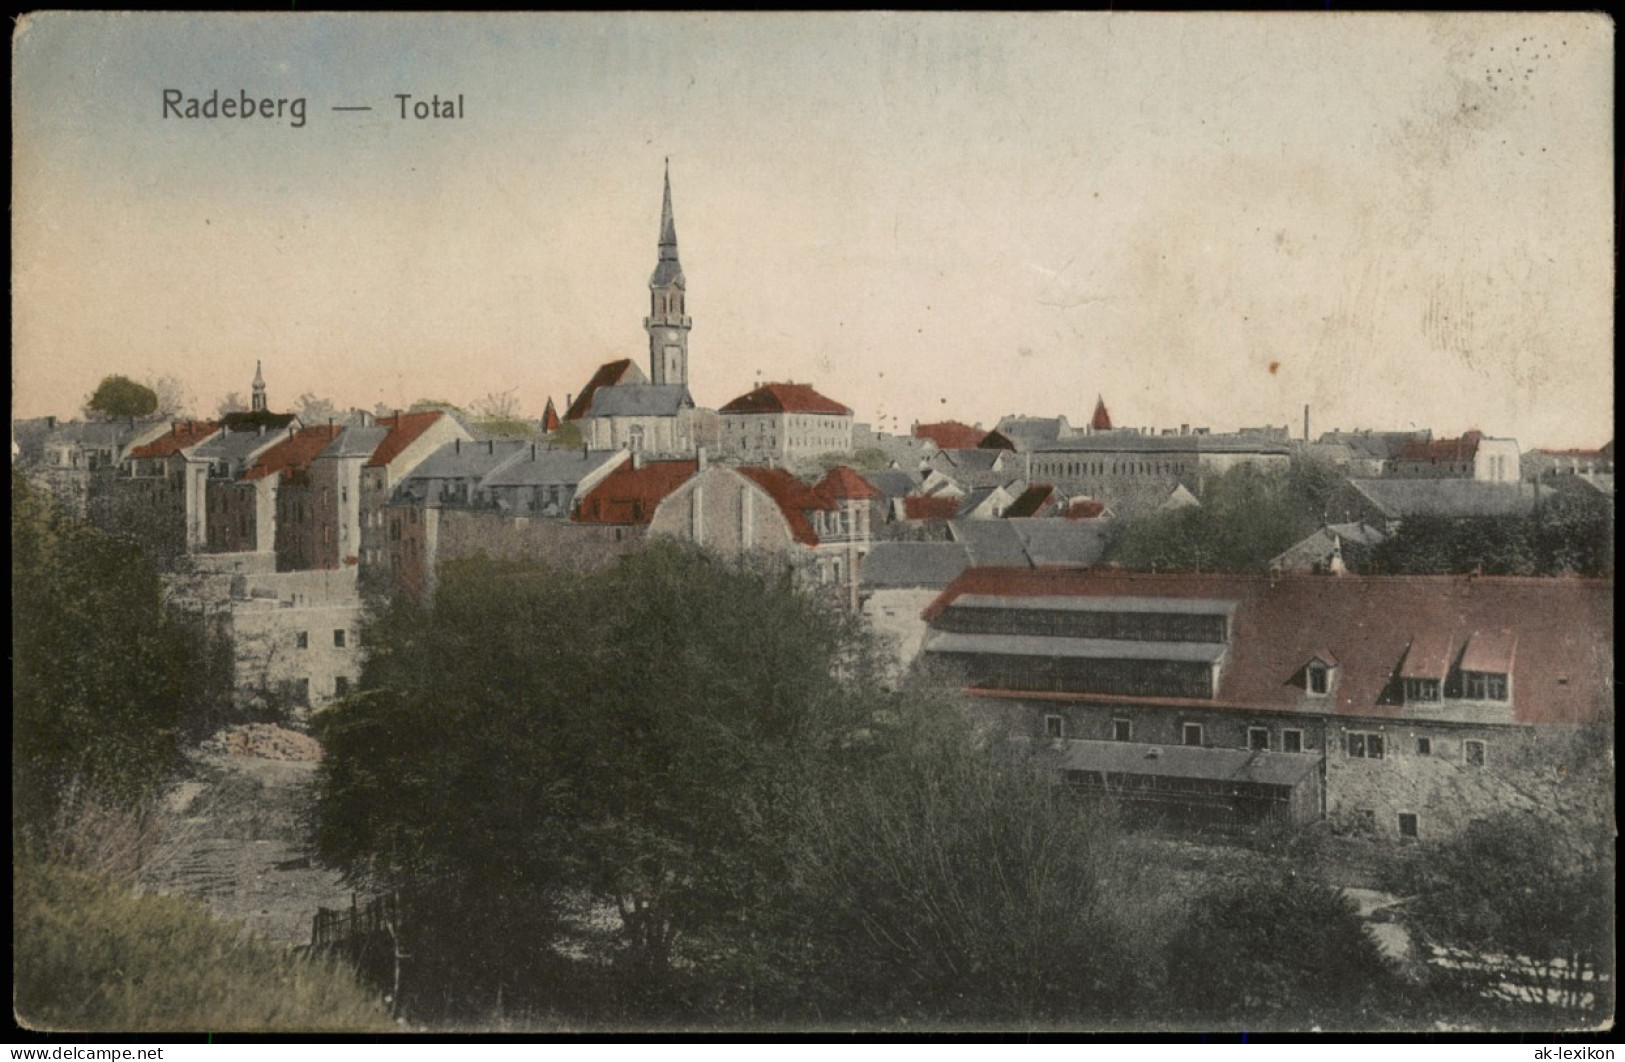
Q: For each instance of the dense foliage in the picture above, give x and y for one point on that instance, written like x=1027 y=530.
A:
x=90 y=956
x=120 y=396
x=709 y=755
x=1519 y=900
x=1281 y=949
x=102 y=675
x=1572 y=534
x=1247 y=516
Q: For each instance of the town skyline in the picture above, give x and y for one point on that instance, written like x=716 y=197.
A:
x=924 y=217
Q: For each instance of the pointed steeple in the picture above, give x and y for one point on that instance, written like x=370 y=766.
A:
x=668 y=271
x=258 y=402
x=550 y=417
x=1102 y=420
x=668 y=322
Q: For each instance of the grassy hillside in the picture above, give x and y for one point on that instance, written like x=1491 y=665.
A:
x=89 y=955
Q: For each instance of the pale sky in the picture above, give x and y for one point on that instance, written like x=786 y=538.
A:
x=1209 y=219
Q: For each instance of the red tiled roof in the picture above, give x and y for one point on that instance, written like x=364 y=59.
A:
x=794 y=498
x=1030 y=501
x=1461 y=449
x=950 y=435
x=842 y=483
x=630 y=495
x=550 y=417
x=926 y=507
x=295 y=452
x=183 y=434
x=1085 y=509
x=1490 y=651
x=1428 y=656
x=608 y=375
x=785 y=398
x=1564 y=630
x=404 y=430
x=1102 y=420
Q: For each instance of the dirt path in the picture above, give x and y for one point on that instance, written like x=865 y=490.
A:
x=238 y=841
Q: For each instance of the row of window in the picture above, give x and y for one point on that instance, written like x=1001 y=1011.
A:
x=1108 y=626
x=301 y=688
x=1467 y=685
x=1075 y=469
x=301 y=639
x=1362 y=744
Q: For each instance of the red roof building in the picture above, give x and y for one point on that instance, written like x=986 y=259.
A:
x=1403 y=707
x=294 y=453
x=931 y=507
x=183 y=434
x=951 y=435
x=630 y=495
x=793 y=497
x=404 y=430
x=785 y=398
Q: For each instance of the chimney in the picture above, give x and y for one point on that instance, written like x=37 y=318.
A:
x=491 y=447
x=533 y=451
x=1306 y=422
x=569 y=401
x=1184 y=429
x=699 y=459
x=457 y=446
x=637 y=460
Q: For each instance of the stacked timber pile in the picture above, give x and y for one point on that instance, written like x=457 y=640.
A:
x=264 y=740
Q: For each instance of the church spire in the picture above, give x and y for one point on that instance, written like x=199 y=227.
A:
x=259 y=389
x=667 y=323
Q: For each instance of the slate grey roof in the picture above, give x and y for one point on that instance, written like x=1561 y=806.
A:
x=1397 y=498
x=640 y=400
x=992 y=543
x=236 y=446
x=974 y=499
x=913 y=564
x=892 y=483
x=544 y=467
x=1073 y=648
x=1379 y=445
x=973 y=460
x=1052 y=543
x=1184 y=761
x=356 y=441
x=454 y=461
x=1033 y=431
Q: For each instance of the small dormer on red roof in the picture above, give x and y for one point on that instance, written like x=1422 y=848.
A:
x=786 y=398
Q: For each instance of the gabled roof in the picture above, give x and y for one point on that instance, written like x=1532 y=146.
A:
x=1489 y=651
x=184 y=434
x=460 y=459
x=608 y=375
x=404 y=429
x=1060 y=543
x=842 y=483
x=294 y=452
x=1462 y=449
x=785 y=398
x=630 y=495
x=893 y=483
x=973 y=460
x=1029 y=432
x=1428 y=656
x=1564 y=631
x=236 y=447
x=794 y=498
x=550 y=417
x=929 y=507
x=951 y=435
x=1031 y=501
x=357 y=441
x=990 y=542
x=640 y=400
x=544 y=466
x=904 y=565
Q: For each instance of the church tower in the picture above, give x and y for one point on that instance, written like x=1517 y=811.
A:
x=667 y=324
x=259 y=390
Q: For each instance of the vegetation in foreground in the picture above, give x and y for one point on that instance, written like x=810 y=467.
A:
x=92 y=956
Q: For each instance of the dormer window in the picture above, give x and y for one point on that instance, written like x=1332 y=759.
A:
x=1319 y=679
x=1483 y=686
x=1421 y=691
x=1317 y=674
x=1427 y=662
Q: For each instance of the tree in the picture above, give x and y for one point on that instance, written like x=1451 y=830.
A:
x=534 y=735
x=102 y=676
x=1277 y=948
x=1524 y=907
x=117 y=397
x=567 y=437
x=498 y=414
x=233 y=402
x=172 y=400
x=313 y=411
